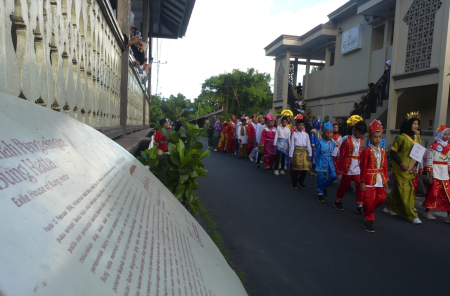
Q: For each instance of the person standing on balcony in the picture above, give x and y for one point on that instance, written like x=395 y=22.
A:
x=438 y=166
x=402 y=197
x=384 y=95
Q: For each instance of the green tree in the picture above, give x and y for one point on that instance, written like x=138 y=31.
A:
x=179 y=170
x=239 y=92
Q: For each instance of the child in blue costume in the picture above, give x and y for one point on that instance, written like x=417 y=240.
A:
x=324 y=162
x=316 y=136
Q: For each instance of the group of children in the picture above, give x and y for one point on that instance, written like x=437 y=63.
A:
x=331 y=155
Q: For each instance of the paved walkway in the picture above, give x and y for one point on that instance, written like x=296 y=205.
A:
x=128 y=141
x=289 y=244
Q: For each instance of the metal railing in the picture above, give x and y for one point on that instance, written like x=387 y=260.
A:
x=375 y=97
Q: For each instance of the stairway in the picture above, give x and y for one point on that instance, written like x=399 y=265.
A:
x=378 y=93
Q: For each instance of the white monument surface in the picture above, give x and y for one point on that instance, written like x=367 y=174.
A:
x=79 y=215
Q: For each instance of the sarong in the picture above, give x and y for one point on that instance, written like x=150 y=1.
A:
x=438 y=196
x=269 y=153
x=283 y=147
x=242 y=151
x=300 y=159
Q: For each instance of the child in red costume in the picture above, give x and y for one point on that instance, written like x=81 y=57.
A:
x=350 y=153
x=162 y=140
x=438 y=167
x=374 y=175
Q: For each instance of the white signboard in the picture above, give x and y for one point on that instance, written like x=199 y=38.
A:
x=352 y=39
x=417 y=154
x=79 y=215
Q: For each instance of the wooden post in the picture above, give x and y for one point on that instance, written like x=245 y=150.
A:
x=123 y=18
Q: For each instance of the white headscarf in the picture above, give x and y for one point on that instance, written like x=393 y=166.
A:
x=388 y=63
x=439 y=136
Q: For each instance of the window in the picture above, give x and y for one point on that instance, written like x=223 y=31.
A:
x=332 y=55
x=377 y=37
x=391 y=30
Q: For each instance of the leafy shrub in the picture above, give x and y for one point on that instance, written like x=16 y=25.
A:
x=179 y=170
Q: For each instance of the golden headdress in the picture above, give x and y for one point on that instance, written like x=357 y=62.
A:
x=354 y=120
x=413 y=115
x=287 y=113
x=260 y=116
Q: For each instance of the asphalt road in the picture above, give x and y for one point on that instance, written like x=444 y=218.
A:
x=287 y=243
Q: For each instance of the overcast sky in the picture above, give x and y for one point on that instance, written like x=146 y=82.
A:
x=231 y=34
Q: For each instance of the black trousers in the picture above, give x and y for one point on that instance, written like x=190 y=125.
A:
x=296 y=178
x=277 y=160
x=258 y=160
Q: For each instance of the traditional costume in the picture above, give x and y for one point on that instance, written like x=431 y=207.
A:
x=336 y=138
x=259 y=129
x=299 y=150
x=350 y=151
x=223 y=138
x=267 y=137
x=438 y=164
x=231 y=145
x=288 y=113
x=324 y=164
x=242 y=135
x=236 y=128
x=159 y=137
x=217 y=133
x=383 y=140
x=281 y=142
x=402 y=198
x=374 y=174
x=251 y=129
x=316 y=135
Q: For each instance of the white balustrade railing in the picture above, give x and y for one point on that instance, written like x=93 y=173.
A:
x=66 y=55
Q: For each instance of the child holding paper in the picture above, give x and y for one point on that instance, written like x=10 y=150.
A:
x=374 y=175
x=402 y=197
x=438 y=165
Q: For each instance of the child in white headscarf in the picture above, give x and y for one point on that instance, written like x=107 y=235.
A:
x=438 y=165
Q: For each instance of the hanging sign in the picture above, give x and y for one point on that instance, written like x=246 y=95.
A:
x=352 y=39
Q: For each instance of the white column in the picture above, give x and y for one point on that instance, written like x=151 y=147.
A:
x=393 y=94
x=305 y=87
x=287 y=62
x=440 y=116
